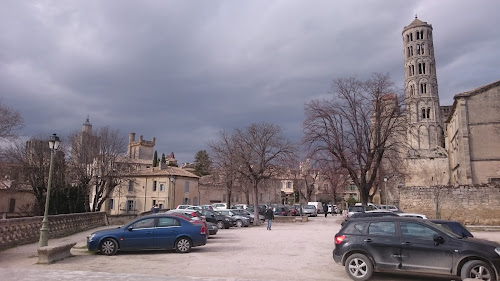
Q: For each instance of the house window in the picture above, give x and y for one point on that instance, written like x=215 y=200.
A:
x=130 y=186
x=289 y=184
x=111 y=205
x=426 y=113
x=195 y=201
x=162 y=187
x=325 y=186
x=154 y=202
x=186 y=186
x=185 y=201
x=154 y=185
x=130 y=205
x=160 y=206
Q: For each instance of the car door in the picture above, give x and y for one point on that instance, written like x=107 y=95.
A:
x=139 y=235
x=383 y=244
x=166 y=232
x=421 y=253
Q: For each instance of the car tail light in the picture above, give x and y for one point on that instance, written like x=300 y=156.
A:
x=339 y=239
x=203 y=230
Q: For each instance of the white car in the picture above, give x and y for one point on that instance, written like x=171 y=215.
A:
x=413 y=215
x=180 y=207
x=219 y=206
x=391 y=208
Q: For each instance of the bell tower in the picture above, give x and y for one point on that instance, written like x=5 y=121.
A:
x=425 y=127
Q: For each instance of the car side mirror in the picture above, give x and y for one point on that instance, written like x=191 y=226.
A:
x=438 y=240
x=130 y=228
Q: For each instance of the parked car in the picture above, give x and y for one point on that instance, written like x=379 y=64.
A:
x=318 y=205
x=412 y=215
x=183 y=206
x=240 y=206
x=309 y=211
x=391 y=208
x=356 y=209
x=281 y=211
x=262 y=209
x=333 y=209
x=222 y=221
x=219 y=206
x=294 y=210
x=193 y=208
x=207 y=207
x=454 y=226
x=212 y=228
x=399 y=244
x=246 y=213
x=239 y=220
x=139 y=233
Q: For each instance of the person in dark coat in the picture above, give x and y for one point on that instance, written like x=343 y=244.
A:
x=155 y=209
x=325 y=209
x=269 y=217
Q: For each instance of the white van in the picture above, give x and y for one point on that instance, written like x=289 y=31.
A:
x=318 y=205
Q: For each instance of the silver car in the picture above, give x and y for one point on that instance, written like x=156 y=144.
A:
x=309 y=210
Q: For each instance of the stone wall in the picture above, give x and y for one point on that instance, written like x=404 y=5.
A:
x=20 y=231
x=469 y=204
x=120 y=219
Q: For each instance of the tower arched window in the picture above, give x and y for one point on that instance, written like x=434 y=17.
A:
x=409 y=70
x=423 y=88
x=419 y=68
x=407 y=38
x=418 y=49
x=428 y=112
x=422 y=48
x=423 y=68
x=412 y=69
x=411 y=36
x=421 y=34
x=411 y=50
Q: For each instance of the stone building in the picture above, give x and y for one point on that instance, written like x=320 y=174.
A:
x=426 y=156
x=144 y=185
x=458 y=144
x=473 y=136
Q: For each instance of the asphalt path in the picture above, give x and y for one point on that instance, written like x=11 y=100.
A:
x=290 y=251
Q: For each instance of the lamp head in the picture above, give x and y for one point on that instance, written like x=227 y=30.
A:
x=54 y=142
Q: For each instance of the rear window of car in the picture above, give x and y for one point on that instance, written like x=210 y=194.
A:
x=356 y=209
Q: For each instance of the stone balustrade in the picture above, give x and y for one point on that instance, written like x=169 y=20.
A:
x=20 y=231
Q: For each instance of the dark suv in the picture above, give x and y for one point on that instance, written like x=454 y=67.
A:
x=412 y=245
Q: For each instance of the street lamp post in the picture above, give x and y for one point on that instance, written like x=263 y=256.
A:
x=44 y=231
x=385 y=190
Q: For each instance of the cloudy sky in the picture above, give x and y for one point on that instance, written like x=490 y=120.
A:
x=181 y=71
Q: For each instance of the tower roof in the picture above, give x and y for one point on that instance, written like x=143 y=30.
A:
x=416 y=22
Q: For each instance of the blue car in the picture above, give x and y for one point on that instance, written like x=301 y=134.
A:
x=153 y=232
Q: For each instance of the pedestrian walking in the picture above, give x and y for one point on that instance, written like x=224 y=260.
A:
x=269 y=217
x=325 y=209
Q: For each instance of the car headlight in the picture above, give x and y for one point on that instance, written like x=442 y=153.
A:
x=91 y=237
x=497 y=250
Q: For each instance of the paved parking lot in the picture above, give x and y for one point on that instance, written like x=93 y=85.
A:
x=291 y=251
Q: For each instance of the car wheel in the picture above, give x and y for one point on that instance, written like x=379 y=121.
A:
x=109 y=247
x=476 y=269
x=220 y=224
x=359 y=267
x=183 y=245
x=239 y=223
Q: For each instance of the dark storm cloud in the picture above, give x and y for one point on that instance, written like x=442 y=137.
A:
x=181 y=71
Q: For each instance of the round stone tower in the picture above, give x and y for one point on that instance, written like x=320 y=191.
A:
x=425 y=129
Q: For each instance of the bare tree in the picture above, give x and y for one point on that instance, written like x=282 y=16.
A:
x=33 y=157
x=10 y=121
x=261 y=151
x=108 y=171
x=335 y=176
x=225 y=166
x=356 y=126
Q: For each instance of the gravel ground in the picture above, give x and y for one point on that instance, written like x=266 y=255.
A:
x=290 y=251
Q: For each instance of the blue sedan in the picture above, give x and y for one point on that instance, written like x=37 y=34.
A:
x=153 y=232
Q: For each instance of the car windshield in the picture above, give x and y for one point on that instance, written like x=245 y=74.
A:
x=446 y=231
x=309 y=207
